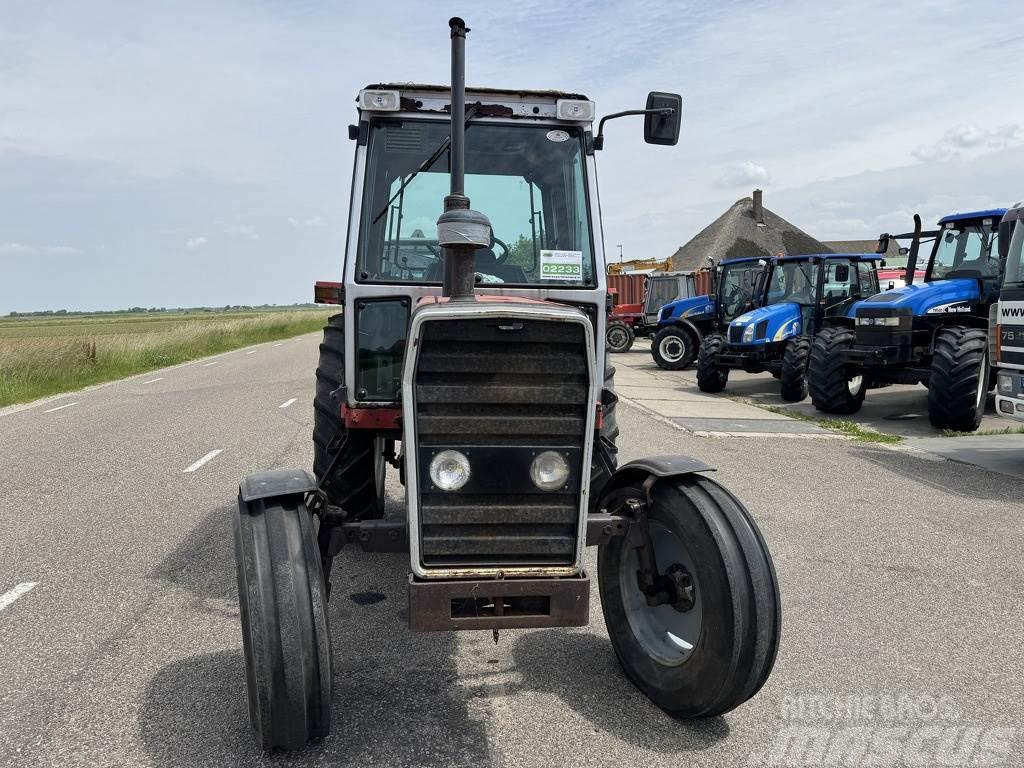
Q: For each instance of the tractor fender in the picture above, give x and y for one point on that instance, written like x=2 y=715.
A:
x=657 y=466
x=684 y=323
x=276 y=482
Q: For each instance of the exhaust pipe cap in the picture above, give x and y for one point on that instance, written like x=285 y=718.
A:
x=464 y=227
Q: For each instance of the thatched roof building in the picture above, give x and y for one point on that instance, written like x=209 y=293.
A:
x=746 y=229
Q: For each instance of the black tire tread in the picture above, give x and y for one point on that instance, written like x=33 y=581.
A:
x=286 y=640
x=756 y=608
x=691 y=348
x=959 y=356
x=711 y=377
x=351 y=485
x=827 y=375
x=793 y=375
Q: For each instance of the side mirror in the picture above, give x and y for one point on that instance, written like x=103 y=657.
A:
x=1005 y=231
x=842 y=273
x=883 y=243
x=663 y=128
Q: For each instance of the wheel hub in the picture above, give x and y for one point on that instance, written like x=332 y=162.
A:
x=671 y=349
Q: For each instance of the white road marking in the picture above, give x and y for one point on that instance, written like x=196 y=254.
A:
x=278 y=344
x=9 y=597
x=154 y=381
x=60 y=407
x=251 y=352
x=207 y=365
x=286 y=403
x=206 y=458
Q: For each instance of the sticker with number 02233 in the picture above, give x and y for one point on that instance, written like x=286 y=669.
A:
x=561 y=265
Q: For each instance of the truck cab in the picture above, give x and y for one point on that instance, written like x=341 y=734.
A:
x=1008 y=332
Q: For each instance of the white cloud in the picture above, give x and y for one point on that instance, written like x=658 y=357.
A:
x=195 y=243
x=743 y=175
x=969 y=140
x=310 y=221
x=244 y=231
x=20 y=249
x=15 y=249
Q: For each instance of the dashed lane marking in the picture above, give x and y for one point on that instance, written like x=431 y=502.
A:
x=21 y=589
x=193 y=467
x=60 y=407
x=207 y=365
x=286 y=403
x=154 y=381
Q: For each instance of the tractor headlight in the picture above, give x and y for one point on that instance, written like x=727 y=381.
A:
x=748 y=334
x=549 y=471
x=1004 y=382
x=449 y=470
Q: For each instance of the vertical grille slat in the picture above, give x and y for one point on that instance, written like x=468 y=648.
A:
x=500 y=382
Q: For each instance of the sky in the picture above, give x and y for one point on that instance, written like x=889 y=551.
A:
x=193 y=153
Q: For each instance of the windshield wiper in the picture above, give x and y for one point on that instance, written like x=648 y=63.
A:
x=425 y=165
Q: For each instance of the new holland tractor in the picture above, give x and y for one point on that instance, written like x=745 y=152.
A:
x=933 y=332
x=793 y=297
x=479 y=376
x=683 y=324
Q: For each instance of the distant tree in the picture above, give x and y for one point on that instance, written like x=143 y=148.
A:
x=522 y=254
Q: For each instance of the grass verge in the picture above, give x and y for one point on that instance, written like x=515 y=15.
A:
x=847 y=428
x=1009 y=430
x=37 y=366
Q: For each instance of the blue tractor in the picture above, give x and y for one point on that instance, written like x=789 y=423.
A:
x=793 y=297
x=684 y=323
x=934 y=332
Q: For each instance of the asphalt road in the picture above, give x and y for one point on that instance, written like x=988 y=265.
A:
x=901 y=580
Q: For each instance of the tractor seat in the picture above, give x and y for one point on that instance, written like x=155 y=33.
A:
x=484 y=261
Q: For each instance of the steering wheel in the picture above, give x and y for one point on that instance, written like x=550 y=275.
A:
x=504 y=251
x=733 y=301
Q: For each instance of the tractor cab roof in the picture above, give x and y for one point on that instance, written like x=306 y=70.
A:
x=806 y=257
x=426 y=99
x=991 y=213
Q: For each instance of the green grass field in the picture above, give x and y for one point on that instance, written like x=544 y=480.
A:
x=42 y=356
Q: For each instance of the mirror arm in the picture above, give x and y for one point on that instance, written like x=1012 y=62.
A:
x=599 y=139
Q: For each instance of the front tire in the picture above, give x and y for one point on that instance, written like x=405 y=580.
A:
x=282 y=601
x=673 y=348
x=793 y=376
x=711 y=377
x=710 y=658
x=619 y=337
x=958 y=381
x=832 y=389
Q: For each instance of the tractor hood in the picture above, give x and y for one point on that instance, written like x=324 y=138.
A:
x=924 y=298
x=776 y=322
x=692 y=308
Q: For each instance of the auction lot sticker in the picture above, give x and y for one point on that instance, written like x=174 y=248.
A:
x=561 y=265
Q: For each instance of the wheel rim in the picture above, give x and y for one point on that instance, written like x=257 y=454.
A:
x=853 y=385
x=617 y=337
x=666 y=634
x=982 y=381
x=672 y=349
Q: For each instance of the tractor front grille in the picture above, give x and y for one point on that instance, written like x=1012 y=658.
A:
x=735 y=334
x=490 y=385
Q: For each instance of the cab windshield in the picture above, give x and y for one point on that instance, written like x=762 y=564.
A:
x=736 y=286
x=793 y=281
x=966 y=250
x=1014 y=277
x=528 y=180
